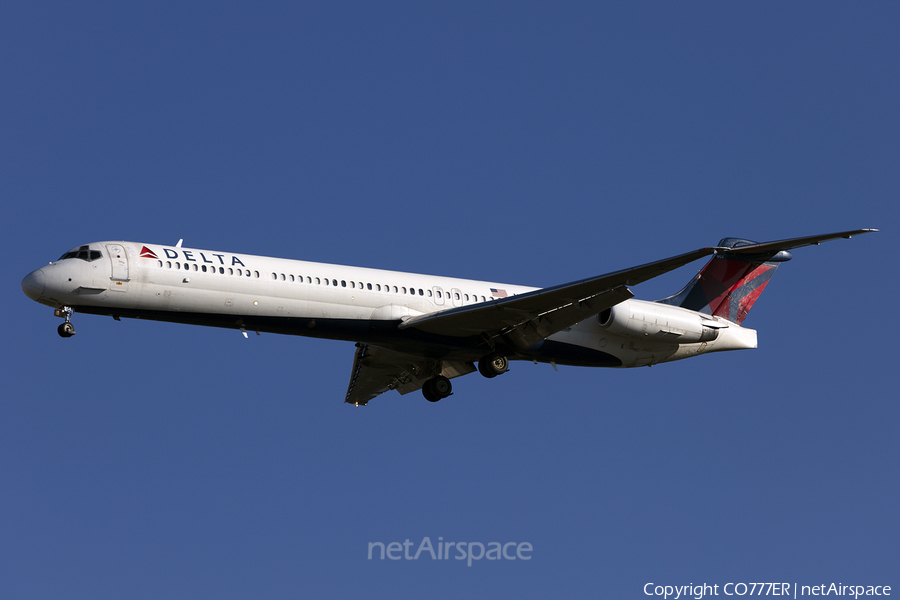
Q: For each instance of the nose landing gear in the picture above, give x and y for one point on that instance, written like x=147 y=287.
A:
x=66 y=329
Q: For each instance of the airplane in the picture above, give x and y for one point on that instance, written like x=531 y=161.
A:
x=417 y=332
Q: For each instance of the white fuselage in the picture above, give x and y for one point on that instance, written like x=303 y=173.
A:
x=256 y=293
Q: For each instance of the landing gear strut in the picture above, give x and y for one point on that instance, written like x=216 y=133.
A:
x=493 y=365
x=437 y=388
x=66 y=329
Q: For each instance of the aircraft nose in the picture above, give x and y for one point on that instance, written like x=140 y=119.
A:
x=33 y=284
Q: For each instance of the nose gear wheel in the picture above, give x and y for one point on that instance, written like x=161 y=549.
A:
x=66 y=329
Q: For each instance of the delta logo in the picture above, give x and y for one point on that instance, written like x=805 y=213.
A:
x=188 y=255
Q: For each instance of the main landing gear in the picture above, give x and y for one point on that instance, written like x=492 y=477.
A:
x=66 y=329
x=437 y=388
x=493 y=365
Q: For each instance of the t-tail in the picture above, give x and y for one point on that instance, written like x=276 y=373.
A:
x=729 y=284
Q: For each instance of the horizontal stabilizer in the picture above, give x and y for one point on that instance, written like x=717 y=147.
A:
x=733 y=280
x=773 y=248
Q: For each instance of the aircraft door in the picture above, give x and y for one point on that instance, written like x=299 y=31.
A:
x=119 y=259
x=438 y=295
x=456 y=297
x=100 y=271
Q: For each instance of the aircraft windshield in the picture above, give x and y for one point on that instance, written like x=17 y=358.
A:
x=83 y=253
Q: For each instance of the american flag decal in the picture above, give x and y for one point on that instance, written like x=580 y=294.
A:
x=498 y=293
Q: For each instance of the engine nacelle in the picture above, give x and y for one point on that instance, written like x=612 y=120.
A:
x=660 y=322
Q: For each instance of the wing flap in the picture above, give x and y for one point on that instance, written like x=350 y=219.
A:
x=377 y=370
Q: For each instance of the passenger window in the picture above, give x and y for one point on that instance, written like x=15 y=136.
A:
x=230 y=271
x=292 y=277
x=429 y=293
x=368 y=286
x=274 y=276
x=257 y=274
x=334 y=282
x=203 y=268
x=168 y=264
x=221 y=270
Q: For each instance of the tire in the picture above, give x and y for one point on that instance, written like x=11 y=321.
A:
x=441 y=386
x=493 y=365
x=66 y=330
x=429 y=392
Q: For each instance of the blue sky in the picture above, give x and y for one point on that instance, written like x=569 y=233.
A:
x=521 y=143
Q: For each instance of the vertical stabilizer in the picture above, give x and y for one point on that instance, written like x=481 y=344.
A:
x=729 y=284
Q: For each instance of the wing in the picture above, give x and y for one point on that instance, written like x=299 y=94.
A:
x=526 y=319
x=377 y=370
x=523 y=320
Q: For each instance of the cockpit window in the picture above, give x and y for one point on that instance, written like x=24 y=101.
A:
x=83 y=253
